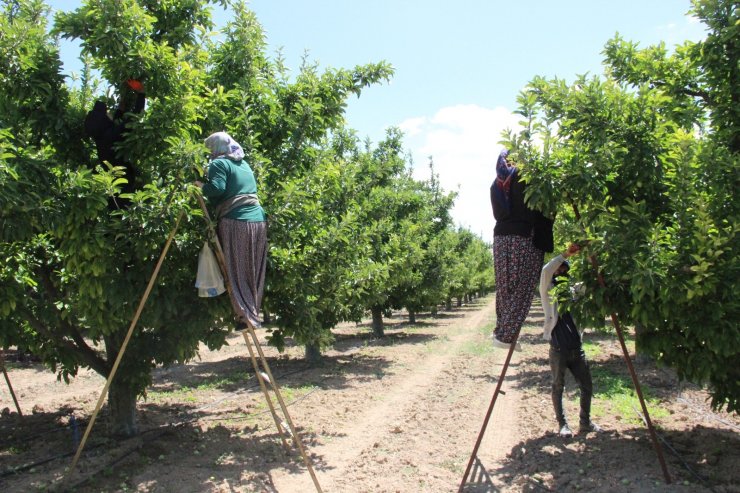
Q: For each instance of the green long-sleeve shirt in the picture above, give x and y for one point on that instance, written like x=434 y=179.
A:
x=227 y=179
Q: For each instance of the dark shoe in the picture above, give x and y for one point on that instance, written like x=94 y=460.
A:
x=565 y=431
x=589 y=427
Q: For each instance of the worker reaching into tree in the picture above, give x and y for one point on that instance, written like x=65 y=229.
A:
x=231 y=189
x=109 y=130
x=521 y=237
x=566 y=351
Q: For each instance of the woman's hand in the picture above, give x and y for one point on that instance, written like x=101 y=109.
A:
x=573 y=248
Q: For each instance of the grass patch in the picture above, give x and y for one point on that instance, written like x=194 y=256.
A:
x=215 y=382
x=436 y=343
x=187 y=393
x=481 y=346
x=183 y=394
x=452 y=465
x=16 y=449
x=487 y=329
x=293 y=393
x=478 y=347
x=615 y=394
x=591 y=349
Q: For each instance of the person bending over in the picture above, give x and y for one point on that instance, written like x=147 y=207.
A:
x=566 y=351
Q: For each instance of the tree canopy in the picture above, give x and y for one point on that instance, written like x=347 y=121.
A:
x=642 y=164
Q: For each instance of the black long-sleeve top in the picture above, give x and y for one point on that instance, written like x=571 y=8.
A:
x=520 y=220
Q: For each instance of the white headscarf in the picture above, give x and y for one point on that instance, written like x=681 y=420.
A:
x=222 y=145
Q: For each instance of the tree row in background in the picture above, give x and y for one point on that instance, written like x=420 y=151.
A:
x=643 y=164
x=350 y=231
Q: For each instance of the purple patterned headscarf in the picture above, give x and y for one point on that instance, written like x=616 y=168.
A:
x=222 y=145
x=505 y=174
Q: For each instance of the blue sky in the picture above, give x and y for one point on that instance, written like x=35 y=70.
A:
x=459 y=66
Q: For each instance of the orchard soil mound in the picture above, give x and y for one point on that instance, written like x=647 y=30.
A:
x=394 y=414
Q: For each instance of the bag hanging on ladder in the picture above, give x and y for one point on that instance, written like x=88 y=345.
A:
x=209 y=280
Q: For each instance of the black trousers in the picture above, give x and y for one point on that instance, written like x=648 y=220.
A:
x=575 y=361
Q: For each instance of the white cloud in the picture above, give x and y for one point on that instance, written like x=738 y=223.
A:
x=668 y=27
x=412 y=126
x=463 y=142
x=691 y=28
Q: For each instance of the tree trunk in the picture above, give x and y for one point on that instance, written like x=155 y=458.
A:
x=313 y=353
x=412 y=316
x=433 y=310
x=377 y=312
x=122 y=407
x=640 y=355
x=266 y=317
x=459 y=301
x=448 y=304
x=121 y=396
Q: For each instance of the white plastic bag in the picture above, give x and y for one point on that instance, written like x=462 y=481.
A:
x=209 y=280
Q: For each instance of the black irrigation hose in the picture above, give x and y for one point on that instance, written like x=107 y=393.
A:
x=539 y=485
x=196 y=418
x=26 y=467
x=704 y=413
x=88 y=477
x=244 y=416
x=678 y=456
x=245 y=389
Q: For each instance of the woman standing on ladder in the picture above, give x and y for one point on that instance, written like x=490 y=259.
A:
x=231 y=191
x=520 y=238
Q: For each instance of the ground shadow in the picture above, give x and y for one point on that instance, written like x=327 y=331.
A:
x=446 y=315
x=400 y=321
x=344 y=343
x=184 y=458
x=237 y=373
x=586 y=462
x=32 y=440
x=479 y=480
x=41 y=446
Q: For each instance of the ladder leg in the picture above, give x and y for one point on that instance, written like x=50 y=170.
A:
x=265 y=391
x=496 y=392
x=276 y=389
x=10 y=387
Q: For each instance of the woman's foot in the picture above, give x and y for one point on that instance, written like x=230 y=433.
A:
x=505 y=345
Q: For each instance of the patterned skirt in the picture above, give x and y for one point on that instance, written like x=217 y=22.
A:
x=517 y=264
x=245 y=251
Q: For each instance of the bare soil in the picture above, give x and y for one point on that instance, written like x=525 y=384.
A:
x=395 y=414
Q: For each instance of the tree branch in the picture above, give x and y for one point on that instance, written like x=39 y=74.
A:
x=69 y=329
x=85 y=352
x=688 y=91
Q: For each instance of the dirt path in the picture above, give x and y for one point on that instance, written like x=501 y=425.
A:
x=419 y=429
